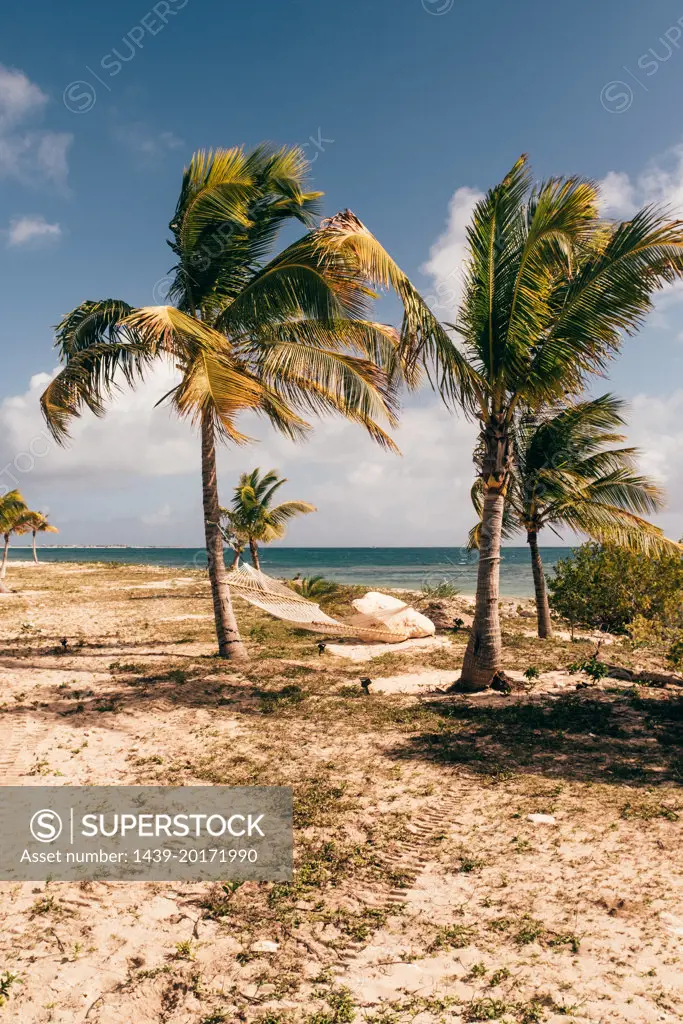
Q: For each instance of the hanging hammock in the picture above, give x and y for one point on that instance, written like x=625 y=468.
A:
x=284 y=603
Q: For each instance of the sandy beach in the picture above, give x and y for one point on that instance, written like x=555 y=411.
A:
x=452 y=854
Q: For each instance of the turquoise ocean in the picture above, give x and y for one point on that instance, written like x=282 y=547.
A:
x=400 y=568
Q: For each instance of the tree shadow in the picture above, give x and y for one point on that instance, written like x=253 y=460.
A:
x=609 y=737
x=139 y=689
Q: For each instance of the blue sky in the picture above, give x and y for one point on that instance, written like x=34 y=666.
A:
x=401 y=103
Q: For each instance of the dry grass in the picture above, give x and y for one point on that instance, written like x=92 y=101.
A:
x=422 y=892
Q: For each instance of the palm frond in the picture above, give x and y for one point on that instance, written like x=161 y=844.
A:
x=88 y=379
x=12 y=509
x=423 y=338
x=319 y=381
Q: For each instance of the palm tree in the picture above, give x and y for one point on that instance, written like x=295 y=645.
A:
x=566 y=474
x=253 y=513
x=34 y=523
x=279 y=336
x=550 y=290
x=12 y=509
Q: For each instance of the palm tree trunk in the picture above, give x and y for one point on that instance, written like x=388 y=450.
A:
x=236 y=558
x=3 y=568
x=484 y=651
x=254 y=553
x=229 y=642
x=35 y=553
x=4 y=589
x=545 y=628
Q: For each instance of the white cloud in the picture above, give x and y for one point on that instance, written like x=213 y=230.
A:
x=617 y=195
x=656 y=427
x=446 y=257
x=133 y=438
x=143 y=142
x=19 y=97
x=364 y=495
x=26 y=230
x=28 y=155
x=661 y=183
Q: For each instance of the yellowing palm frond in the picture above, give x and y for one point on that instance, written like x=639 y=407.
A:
x=12 y=510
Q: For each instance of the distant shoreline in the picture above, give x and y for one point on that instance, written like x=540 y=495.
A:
x=280 y=547
x=418 y=569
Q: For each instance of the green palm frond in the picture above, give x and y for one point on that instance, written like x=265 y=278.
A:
x=29 y=521
x=282 y=514
x=611 y=524
x=318 y=381
x=302 y=282
x=423 y=338
x=213 y=387
x=89 y=378
x=230 y=211
x=566 y=474
x=377 y=342
x=13 y=508
x=314 y=587
x=252 y=513
x=93 y=323
x=217 y=187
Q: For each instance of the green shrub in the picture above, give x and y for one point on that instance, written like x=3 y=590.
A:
x=593 y=668
x=606 y=588
x=663 y=640
x=315 y=587
x=440 y=590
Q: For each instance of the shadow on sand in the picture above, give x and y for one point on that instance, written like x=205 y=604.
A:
x=606 y=736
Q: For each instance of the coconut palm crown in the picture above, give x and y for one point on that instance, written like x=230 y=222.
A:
x=253 y=515
x=34 y=523
x=12 y=510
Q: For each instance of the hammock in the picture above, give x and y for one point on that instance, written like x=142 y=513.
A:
x=284 y=603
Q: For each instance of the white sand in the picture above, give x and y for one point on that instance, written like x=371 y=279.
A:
x=366 y=652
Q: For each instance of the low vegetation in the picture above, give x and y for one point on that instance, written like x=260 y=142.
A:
x=609 y=588
x=414 y=850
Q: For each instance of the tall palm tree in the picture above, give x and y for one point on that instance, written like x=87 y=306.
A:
x=281 y=336
x=34 y=523
x=12 y=509
x=550 y=291
x=253 y=512
x=566 y=474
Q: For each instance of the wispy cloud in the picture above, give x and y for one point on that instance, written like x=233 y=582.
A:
x=140 y=140
x=661 y=182
x=28 y=155
x=31 y=230
x=447 y=256
x=19 y=97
